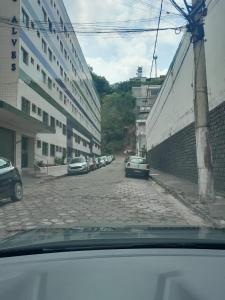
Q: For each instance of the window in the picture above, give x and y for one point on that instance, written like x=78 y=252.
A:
x=25 y=106
x=39 y=111
x=52 y=122
x=52 y=150
x=34 y=108
x=49 y=83
x=60 y=95
x=154 y=92
x=38 y=33
x=43 y=76
x=45 y=149
x=45 y=118
x=61 y=46
x=38 y=67
x=65 y=54
x=44 y=46
x=57 y=123
x=61 y=22
x=25 y=56
x=64 y=151
x=32 y=24
x=49 y=25
x=64 y=129
x=44 y=15
x=50 y=54
x=61 y=71
x=38 y=144
x=32 y=60
x=25 y=18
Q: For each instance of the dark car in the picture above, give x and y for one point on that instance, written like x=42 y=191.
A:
x=10 y=181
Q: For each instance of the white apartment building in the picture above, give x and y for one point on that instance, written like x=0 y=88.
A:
x=49 y=108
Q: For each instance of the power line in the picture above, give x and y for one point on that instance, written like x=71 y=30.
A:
x=154 y=50
x=93 y=31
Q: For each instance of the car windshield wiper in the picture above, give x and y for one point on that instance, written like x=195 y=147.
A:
x=107 y=244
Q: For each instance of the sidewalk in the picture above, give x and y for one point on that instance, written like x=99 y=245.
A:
x=29 y=180
x=187 y=192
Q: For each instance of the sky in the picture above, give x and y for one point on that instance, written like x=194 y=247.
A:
x=117 y=56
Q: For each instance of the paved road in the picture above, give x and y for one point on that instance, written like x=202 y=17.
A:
x=103 y=197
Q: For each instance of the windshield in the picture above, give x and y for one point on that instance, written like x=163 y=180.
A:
x=112 y=115
x=77 y=160
x=4 y=163
x=137 y=160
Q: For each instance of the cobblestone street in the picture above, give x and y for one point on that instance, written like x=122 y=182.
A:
x=103 y=197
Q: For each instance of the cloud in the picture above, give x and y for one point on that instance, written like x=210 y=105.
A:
x=117 y=57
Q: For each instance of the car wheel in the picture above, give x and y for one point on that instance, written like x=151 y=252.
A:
x=146 y=175
x=17 y=192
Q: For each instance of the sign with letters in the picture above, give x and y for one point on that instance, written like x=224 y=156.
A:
x=14 y=40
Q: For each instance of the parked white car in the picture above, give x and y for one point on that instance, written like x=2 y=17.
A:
x=102 y=161
x=136 y=165
x=77 y=165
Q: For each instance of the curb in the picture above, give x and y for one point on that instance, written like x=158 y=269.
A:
x=51 y=178
x=181 y=198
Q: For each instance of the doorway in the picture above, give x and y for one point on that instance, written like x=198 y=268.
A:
x=24 y=152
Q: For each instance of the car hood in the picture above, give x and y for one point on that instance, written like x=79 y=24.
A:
x=105 y=237
x=6 y=170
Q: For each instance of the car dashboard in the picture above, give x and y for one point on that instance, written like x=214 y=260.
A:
x=134 y=274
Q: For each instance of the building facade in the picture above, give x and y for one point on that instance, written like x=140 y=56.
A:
x=170 y=127
x=44 y=76
x=145 y=97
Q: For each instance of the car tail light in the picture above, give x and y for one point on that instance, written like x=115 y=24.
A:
x=147 y=167
x=128 y=164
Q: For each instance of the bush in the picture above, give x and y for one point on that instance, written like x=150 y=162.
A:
x=40 y=163
x=59 y=160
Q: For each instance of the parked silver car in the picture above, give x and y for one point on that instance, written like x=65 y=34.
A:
x=102 y=161
x=77 y=165
x=136 y=166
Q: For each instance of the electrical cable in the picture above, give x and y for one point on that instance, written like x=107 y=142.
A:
x=154 y=49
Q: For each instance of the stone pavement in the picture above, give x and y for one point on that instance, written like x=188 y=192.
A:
x=100 y=198
x=187 y=192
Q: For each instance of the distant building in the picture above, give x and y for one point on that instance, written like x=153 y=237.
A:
x=49 y=109
x=145 y=98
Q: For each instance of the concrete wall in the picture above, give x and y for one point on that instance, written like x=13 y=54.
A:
x=170 y=124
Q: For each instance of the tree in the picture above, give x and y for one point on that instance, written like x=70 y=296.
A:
x=101 y=84
x=117 y=113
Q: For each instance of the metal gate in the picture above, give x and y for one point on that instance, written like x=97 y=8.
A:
x=7 y=144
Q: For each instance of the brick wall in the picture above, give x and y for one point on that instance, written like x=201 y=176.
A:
x=177 y=154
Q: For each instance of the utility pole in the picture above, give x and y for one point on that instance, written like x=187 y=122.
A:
x=201 y=107
x=155 y=57
x=195 y=16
